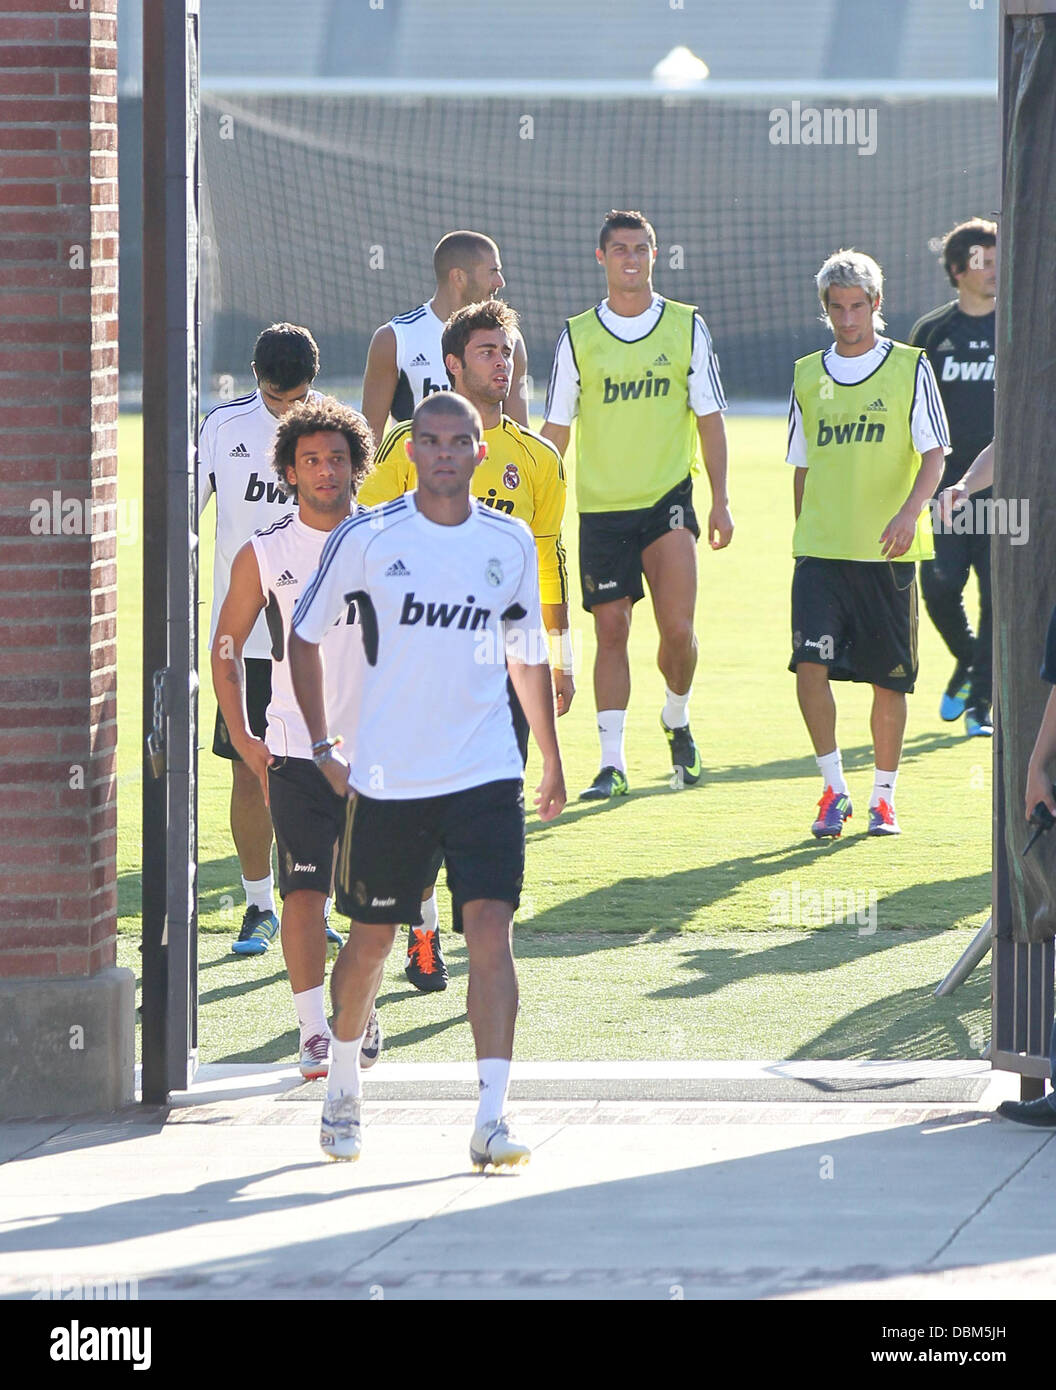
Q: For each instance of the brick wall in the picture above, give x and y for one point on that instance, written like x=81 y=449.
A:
x=58 y=443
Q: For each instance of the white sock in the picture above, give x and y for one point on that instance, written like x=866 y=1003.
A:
x=676 y=708
x=311 y=1013
x=260 y=892
x=345 y=1078
x=883 y=787
x=494 y=1074
x=830 y=765
x=610 y=727
x=430 y=914
x=327 y=907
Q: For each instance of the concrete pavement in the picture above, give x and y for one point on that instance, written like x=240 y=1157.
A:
x=633 y=1197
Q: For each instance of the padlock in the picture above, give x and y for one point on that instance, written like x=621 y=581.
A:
x=156 y=754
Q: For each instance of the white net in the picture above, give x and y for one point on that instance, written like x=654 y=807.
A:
x=325 y=208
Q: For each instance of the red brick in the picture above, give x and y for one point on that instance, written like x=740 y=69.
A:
x=73 y=963
x=24 y=277
x=25 y=964
x=24 y=30
x=28 y=857
x=103 y=930
x=37 y=165
x=28 y=416
x=54 y=110
x=20 y=717
x=29 y=936
x=40 y=195
x=24 y=306
x=40 y=55
x=25 y=249
x=47 y=7
x=59 y=444
x=28 y=84
x=75 y=26
x=30 y=138
x=31 y=470
x=39 y=334
x=52 y=883
x=43 y=823
x=39 y=606
x=102 y=957
x=75 y=84
x=27 y=362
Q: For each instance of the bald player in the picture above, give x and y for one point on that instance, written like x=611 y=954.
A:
x=405 y=362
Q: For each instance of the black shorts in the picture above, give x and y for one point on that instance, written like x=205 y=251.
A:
x=389 y=850
x=858 y=618
x=308 y=816
x=611 y=544
x=258 y=698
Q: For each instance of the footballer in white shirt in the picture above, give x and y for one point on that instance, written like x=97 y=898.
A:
x=405 y=361
x=447 y=590
x=322 y=452
x=234 y=465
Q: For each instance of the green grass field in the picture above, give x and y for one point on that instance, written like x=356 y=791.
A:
x=670 y=924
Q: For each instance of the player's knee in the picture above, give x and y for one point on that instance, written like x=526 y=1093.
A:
x=678 y=635
x=612 y=625
x=370 y=945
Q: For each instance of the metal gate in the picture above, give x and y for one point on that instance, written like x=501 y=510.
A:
x=170 y=545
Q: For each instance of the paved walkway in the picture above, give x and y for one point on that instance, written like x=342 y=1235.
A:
x=636 y=1196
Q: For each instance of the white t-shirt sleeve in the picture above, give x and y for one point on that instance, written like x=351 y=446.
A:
x=928 y=422
x=206 y=486
x=562 y=394
x=705 y=385
x=524 y=624
x=797 y=439
x=341 y=571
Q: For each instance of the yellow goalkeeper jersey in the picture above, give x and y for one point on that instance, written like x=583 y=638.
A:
x=521 y=475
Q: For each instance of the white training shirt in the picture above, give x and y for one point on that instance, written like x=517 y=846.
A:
x=705 y=386
x=928 y=424
x=234 y=461
x=287 y=556
x=447 y=602
x=419 y=359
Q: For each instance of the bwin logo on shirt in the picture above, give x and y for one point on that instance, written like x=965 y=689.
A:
x=429 y=386
x=849 y=432
x=968 y=371
x=647 y=385
x=444 y=614
x=259 y=490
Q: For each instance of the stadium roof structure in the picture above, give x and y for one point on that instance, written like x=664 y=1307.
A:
x=583 y=40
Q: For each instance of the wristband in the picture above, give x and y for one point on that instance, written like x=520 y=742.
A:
x=561 y=657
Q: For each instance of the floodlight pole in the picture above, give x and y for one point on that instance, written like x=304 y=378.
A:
x=170 y=562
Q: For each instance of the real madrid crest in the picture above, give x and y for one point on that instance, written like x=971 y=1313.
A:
x=511 y=478
x=493 y=573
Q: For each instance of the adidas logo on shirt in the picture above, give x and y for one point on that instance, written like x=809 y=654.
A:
x=397 y=569
x=878 y=404
x=946 y=346
x=420 y=361
x=239 y=452
x=285 y=578
x=662 y=361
